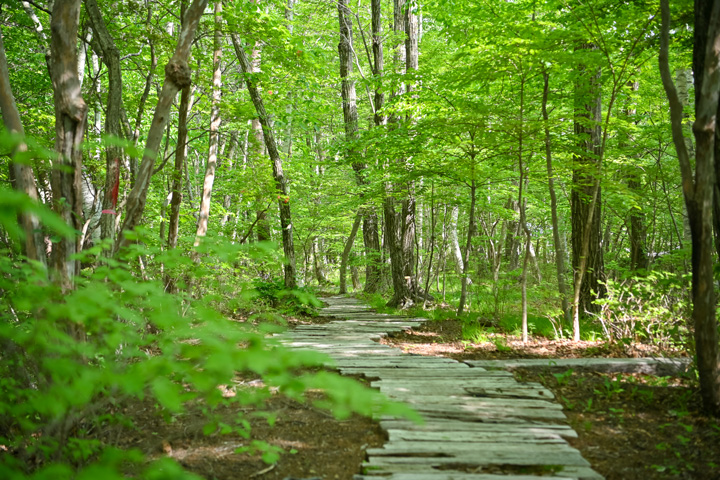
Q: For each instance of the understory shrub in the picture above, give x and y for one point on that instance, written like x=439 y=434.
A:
x=650 y=308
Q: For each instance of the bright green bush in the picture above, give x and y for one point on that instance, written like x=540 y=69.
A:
x=651 y=308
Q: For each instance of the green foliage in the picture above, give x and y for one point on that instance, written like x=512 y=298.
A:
x=475 y=332
x=73 y=361
x=649 y=307
x=541 y=326
x=564 y=377
x=299 y=300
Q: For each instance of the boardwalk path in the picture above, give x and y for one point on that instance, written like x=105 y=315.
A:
x=480 y=424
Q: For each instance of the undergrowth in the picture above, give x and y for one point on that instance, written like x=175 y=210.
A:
x=72 y=361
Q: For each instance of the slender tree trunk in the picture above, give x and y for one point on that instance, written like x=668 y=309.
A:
x=113 y=153
x=215 y=119
x=371 y=231
x=70 y=114
x=698 y=187
x=557 y=242
x=278 y=174
x=24 y=179
x=378 y=61
x=177 y=77
x=432 y=241
x=586 y=195
x=393 y=237
x=454 y=242
x=523 y=210
x=176 y=200
x=345 y=53
x=468 y=243
x=318 y=263
x=346 y=254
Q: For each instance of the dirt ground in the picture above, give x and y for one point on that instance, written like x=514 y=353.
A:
x=629 y=426
x=315 y=444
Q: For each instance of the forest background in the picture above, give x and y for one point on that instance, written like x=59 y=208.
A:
x=220 y=160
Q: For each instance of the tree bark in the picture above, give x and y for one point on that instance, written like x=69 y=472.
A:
x=558 y=244
x=177 y=77
x=214 y=141
x=453 y=237
x=176 y=200
x=586 y=194
x=378 y=63
x=523 y=210
x=346 y=254
x=264 y=233
x=70 y=114
x=350 y=116
x=113 y=153
x=278 y=174
x=698 y=187
x=33 y=243
x=468 y=242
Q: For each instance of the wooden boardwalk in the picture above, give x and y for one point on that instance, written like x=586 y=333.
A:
x=479 y=424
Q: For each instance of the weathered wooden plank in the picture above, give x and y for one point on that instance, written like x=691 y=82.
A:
x=447 y=425
x=414 y=398
x=410 y=472
x=480 y=387
x=649 y=366
x=446 y=475
x=487 y=414
x=518 y=436
x=449 y=372
x=504 y=455
x=420 y=361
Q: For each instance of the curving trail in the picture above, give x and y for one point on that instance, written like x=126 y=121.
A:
x=479 y=424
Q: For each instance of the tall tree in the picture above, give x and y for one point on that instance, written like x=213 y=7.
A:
x=557 y=243
x=350 y=116
x=21 y=174
x=698 y=186
x=70 y=113
x=586 y=194
x=278 y=173
x=113 y=152
x=215 y=119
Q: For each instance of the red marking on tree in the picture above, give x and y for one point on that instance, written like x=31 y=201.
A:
x=115 y=188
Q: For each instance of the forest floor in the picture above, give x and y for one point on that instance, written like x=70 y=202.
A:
x=629 y=426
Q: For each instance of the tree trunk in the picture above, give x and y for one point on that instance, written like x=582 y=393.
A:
x=177 y=77
x=698 y=188
x=70 y=114
x=557 y=242
x=278 y=174
x=318 y=263
x=432 y=241
x=24 y=180
x=176 y=200
x=468 y=243
x=113 y=153
x=586 y=195
x=393 y=238
x=346 y=254
x=378 y=64
x=204 y=213
x=350 y=115
x=454 y=242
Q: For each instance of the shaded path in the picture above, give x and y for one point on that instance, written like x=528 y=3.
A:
x=480 y=424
